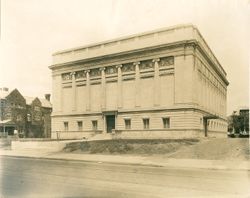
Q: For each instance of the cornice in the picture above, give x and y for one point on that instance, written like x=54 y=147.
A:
x=184 y=46
x=136 y=111
x=89 y=60
x=133 y=36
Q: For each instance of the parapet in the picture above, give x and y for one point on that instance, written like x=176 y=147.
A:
x=136 y=42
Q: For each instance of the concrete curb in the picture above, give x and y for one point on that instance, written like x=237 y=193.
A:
x=134 y=160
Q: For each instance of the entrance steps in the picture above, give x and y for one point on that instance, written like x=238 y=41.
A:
x=101 y=136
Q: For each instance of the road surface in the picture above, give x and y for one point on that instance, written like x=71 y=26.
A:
x=29 y=177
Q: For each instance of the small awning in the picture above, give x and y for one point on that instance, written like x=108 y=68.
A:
x=7 y=123
x=211 y=117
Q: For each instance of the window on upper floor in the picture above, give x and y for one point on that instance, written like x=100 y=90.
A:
x=28 y=117
x=80 y=74
x=128 y=67
x=111 y=70
x=19 y=118
x=36 y=108
x=146 y=64
x=66 y=76
x=166 y=61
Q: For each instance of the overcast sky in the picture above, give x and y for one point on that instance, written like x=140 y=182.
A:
x=31 y=30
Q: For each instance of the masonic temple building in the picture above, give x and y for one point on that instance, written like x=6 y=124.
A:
x=165 y=83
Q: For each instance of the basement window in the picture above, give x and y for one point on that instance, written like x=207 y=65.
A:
x=94 y=124
x=66 y=126
x=166 y=123
x=79 y=124
x=127 y=123
x=146 y=123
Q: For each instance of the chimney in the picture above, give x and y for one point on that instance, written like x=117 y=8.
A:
x=5 y=89
x=47 y=97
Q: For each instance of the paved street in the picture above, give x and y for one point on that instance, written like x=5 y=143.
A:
x=27 y=177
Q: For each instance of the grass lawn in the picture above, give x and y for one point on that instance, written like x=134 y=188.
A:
x=204 y=148
x=132 y=146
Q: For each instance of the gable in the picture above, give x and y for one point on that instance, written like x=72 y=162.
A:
x=16 y=97
x=36 y=102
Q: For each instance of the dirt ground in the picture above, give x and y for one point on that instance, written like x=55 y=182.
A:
x=216 y=149
x=205 y=148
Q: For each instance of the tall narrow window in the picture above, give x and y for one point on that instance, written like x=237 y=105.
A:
x=66 y=126
x=127 y=123
x=94 y=124
x=79 y=124
x=166 y=123
x=146 y=123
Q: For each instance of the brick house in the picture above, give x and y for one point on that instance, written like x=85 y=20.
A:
x=13 y=112
x=38 y=116
x=29 y=115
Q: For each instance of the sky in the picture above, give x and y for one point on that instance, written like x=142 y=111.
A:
x=31 y=30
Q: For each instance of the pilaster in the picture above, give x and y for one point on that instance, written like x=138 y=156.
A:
x=137 y=84
x=87 y=90
x=156 y=82
x=103 y=89
x=73 y=91
x=119 y=81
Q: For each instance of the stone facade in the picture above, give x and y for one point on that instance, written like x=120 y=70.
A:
x=164 y=83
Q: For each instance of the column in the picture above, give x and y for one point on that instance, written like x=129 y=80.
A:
x=119 y=86
x=73 y=91
x=137 y=84
x=103 y=89
x=87 y=90
x=156 y=82
x=217 y=100
x=213 y=98
x=206 y=93
x=61 y=99
x=209 y=95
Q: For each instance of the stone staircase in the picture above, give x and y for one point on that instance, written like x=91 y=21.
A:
x=101 y=136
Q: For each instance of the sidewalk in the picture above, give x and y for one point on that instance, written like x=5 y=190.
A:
x=160 y=161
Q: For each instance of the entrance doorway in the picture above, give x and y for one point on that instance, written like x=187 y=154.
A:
x=110 y=123
x=205 y=122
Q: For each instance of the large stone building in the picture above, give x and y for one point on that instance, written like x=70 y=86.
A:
x=165 y=83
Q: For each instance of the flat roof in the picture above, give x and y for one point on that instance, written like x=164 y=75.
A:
x=124 y=38
x=173 y=34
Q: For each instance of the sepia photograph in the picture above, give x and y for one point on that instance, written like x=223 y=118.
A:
x=124 y=98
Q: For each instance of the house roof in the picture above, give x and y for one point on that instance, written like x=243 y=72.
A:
x=44 y=102
x=29 y=100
